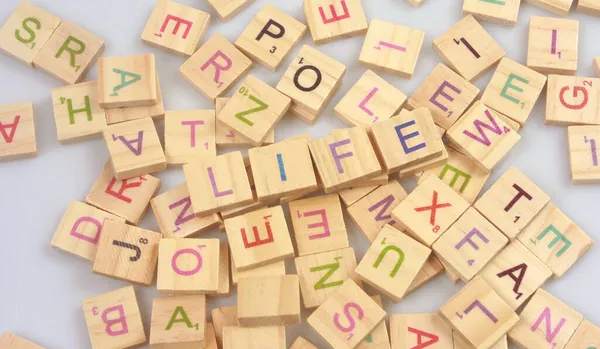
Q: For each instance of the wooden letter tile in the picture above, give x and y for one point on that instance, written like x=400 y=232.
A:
x=127 y=198
x=483 y=136
x=392 y=48
x=69 y=53
x=228 y=8
x=251 y=245
x=127 y=253
x=555 y=239
x=267 y=337
x=225 y=137
x=446 y=94
x=128 y=81
x=586 y=336
x=189 y=134
x=215 y=67
x=468 y=48
x=330 y=20
x=134 y=148
x=469 y=244
x=429 y=210
x=26 y=31
x=513 y=90
x=346 y=301
x=77 y=114
x=371 y=99
x=479 y=314
x=572 y=100
x=591 y=7
x=310 y=81
x=269 y=301
x=157 y=111
x=254 y=110
x=344 y=157
x=12 y=341
x=512 y=202
x=560 y=7
x=322 y=273
x=584 y=146
x=270 y=36
x=318 y=224
x=515 y=274
x=503 y=12
x=178 y=322
x=553 y=45
x=420 y=330
x=392 y=275
x=188 y=266
x=175 y=28
x=301 y=343
x=17 y=126
x=113 y=319
x=546 y=322
x=80 y=229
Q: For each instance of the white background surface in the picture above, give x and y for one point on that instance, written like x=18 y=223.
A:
x=41 y=289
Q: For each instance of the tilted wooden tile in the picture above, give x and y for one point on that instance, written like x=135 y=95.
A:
x=572 y=100
x=175 y=28
x=330 y=20
x=586 y=336
x=512 y=202
x=432 y=268
x=157 y=111
x=134 y=148
x=127 y=253
x=269 y=301
x=178 y=322
x=128 y=81
x=267 y=337
x=270 y=36
x=77 y=114
x=513 y=90
x=273 y=269
x=470 y=244
x=468 y=48
x=325 y=320
x=301 y=343
x=590 y=7
x=254 y=110
x=429 y=210
x=128 y=198
x=215 y=67
x=392 y=48
x=515 y=274
x=461 y=343
x=351 y=195
x=546 y=322
x=553 y=45
x=420 y=331
x=69 y=53
x=113 y=319
x=188 y=266
x=322 y=273
x=259 y=248
x=560 y=7
x=318 y=224
x=225 y=137
x=479 y=314
x=228 y=8
x=222 y=317
x=344 y=157
x=12 y=341
x=584 y=146
x=446 y=94
x=17 y=127
x=189 y=135
x=374 y=211
x=555 y=239
x=26 y=31
x=224 y=176
x=311 y=81
x=503 y=12
x=483 y=136
x=79 y=230
x=392 y=276
x=378 y=338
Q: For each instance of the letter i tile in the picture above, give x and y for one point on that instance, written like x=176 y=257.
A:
x=479 y=314
x=553 y=45
x=392 y=262
x=420 y=331
x=330 y=20
x=178 y=322
x=17 y=131
x=113 y=319
x=545 y=323
x=584 y=146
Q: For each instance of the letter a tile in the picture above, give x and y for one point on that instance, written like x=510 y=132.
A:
x=330 y=20
x=420 y=331
x=17 y=131
x=178 y=322
x=128 y=81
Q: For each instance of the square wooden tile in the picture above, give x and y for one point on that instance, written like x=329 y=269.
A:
x=189 y=135
x=572 y=100
x=479 y=314
x=392 y=275
x=503 y=12
x=226 y=137
x=392 y=48
x=17 y=128
x=560 y=7
x=175 y=28
x=584 y=146
x=512 y=202
x=590 y=7
x=330 y=20
x=553 y=45
x=270 y=36
x=468 y=48
x=12 y=341
x=421 y=331
x=586 y=336
x=128 y=81
x=266 y=337
x=178 y=322
x=269 y=301
x=228 y=8
x=555 y=239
